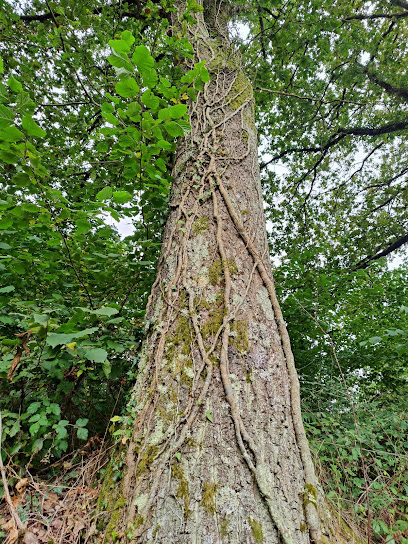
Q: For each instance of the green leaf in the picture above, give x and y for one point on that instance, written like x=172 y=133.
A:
x=105 y=311
x=9 y=157
x=106 y=367
x=205 y=76
x=6 y=222
x=121 y=63
x=31 y=127
x=7 y=289
x=42 y=319
x=97 y=355
x=21 y=179
x=58 y=339
x=82 y=433
x=81 y=422
x=142 y=58
x=209 y=416
x=127 y=88
x=173 y=112
x=82 y=226
x=164 y=144
x=6 y=116
x=3 y=93
x=3 y=245
x=14 y=84
x=105 y=193
x=11 y=134
x=121 y=196
x=150 y=100
x=173 y=129
x=1 y=65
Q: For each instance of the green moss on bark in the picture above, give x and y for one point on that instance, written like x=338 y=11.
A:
x=208 y=497
x=256 y=529
x=183 y=491
x=200 y=225
x=215 y=272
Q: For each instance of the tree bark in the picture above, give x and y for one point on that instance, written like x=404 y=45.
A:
x=217 y=452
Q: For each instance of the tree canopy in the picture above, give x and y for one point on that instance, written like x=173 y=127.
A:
x=92 y=101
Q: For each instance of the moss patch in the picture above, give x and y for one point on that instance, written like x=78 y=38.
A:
x=215 y=271
x=256 y=529
x=182 y=492
x=215 y=318
x=224 y=525
x=208 y=498
x=240 y=92
x=146 y=458
x=200 y=225
x=309 y=495
x=240 y=336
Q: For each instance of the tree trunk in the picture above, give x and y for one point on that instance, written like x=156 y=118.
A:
x=217 y=452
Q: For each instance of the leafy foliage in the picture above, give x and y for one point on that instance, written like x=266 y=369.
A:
x=73 y=291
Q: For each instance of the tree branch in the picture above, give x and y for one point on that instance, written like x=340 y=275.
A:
x=41 y=17
x=376 y=16
x=337 y=136
x=400 y=3
x=320 y=100
x=392 y=247
x=398 y=91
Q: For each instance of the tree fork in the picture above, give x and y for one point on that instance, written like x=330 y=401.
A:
x=218 y=452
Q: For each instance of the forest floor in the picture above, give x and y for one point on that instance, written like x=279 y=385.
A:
x=59 y=509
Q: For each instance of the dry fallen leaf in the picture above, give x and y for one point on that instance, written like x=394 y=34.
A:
x=21 y=484
x=10 y=526
x=30 y=538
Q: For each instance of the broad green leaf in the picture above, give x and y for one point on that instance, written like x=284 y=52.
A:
x=81 y=422
x=121 y=196
x=9 y=157
x=82 y=433
x=150 y=100
x=41 y=318
x=128 y=37
x=7 y=289
x=14 y=84
x=127 y=88
x=3 y=93
x=6 y=116
x=105 y=311
x=59 y=339
x=173 y=129
x=106 y=367
x=11 y=134
x=21 y=179
x=104 y=194
x=6 y=222
x=97 y=355
x=31 y=127
x=120 y=62
x=142 y=58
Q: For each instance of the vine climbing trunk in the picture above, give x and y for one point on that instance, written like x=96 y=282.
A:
x=218 y=452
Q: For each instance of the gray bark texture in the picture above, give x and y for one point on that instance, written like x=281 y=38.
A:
x=217 y=453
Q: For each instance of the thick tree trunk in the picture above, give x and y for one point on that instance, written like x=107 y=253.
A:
x=218 y=452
